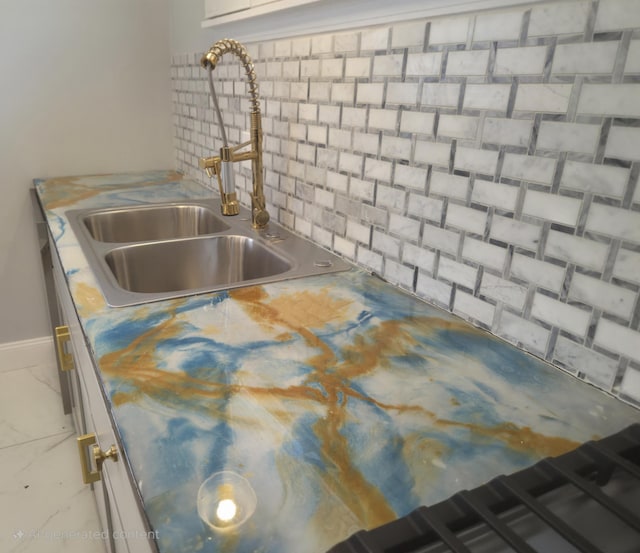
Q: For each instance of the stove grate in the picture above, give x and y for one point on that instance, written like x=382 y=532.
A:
x=546 y=498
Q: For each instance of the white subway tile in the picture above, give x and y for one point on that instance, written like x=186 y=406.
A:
x=567 y=317
x=377 y=169
x=494 y=97
x=581 y=251
x=503 y=290
x=386 y=244
x=350 y=163
x=630 y=385
x=617 y=14
x=357 y=232
x=627 y=266
x=395 y=147
x=344 y=247
x=329 y=115
x=434 y=290
x=337 y=182
x=466 y=218
x=513 y=132
x=449 y=30
x=570 y=137
x=533 y=337
x=417 y=122
x=299 y=91
x=407 y=228
x=495 y=194
x=632 y=64
x=310 y=68
x=366 y=143
x=388 y=65
x=402 y=93
x=391 y=198
x=612 y=221
x=618 y=339
x=324 y=198
x=361 y=189
x=370 y=93
x=520 y=61
x=611 y=100
x=422 y=65
x=515 y=232
x=425 y=208
x=473 y=307
x=598 y=179
x=435 y=153
x=441 y=239
x=551 y=207
x=320 y=91
x=608 y=297
x=457 y=126
x=345 y=42
x=301 y=46
x=623 y=143
x=291 y=69
x=460 y=273
x=538 y=272
x=543 y=98
x=303 y=226
x=480 y=161
x=501 y=25
x=484 y=253
x=468 y=62
x=354 y=117
x=375 y=38
x=358 y=67
x=529 y=168
x=322 y=44
x=398 y=274
x=404 y=35
x=453 y=186
x=385 y=119
x=340 y=139
x=369 y=259
x=596 y=367
x=559 y=18
x=411 y=177
x=332 y=67
x=440 y=94
x=418 y=257
x=586 y=57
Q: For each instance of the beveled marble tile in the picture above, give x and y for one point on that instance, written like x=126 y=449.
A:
x=31 y=405
x=46 y=508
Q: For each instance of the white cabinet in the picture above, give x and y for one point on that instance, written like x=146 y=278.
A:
x=124 y=525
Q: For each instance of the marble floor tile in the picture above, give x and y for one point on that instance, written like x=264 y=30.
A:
x=30 y=405
x=45 y=506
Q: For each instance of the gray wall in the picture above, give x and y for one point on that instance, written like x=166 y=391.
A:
x=488 y=163
x=85 y=89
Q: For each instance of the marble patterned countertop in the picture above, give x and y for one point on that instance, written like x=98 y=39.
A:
x=344 y=402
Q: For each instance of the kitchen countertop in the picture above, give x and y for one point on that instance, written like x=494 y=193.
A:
x=345 y=402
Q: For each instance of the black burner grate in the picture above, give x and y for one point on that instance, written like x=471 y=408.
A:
x=587 y=500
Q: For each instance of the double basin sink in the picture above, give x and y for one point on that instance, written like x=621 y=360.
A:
x=159 y=251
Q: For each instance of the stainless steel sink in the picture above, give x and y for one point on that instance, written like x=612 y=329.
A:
x=161 y=251
x=193 y=264
x=143 y=223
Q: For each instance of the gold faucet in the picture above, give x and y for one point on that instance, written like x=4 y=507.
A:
x=220 y=166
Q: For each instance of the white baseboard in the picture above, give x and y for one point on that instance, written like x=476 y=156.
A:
x=27 y=353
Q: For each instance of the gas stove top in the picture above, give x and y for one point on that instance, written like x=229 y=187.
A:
x=587 y=500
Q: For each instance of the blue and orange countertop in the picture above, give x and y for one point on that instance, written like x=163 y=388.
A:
x=344 y=402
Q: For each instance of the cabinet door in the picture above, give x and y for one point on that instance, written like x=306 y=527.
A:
x=123 y=523
x=216 y=8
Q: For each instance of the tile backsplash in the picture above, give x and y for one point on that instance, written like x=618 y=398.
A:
x=488 y=163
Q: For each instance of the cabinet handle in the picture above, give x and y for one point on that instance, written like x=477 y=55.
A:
x=65 y=360
x=89 y=476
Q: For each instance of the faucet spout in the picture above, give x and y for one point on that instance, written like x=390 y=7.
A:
x=213 y=165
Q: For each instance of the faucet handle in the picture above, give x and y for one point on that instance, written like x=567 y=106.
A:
x=211 y=165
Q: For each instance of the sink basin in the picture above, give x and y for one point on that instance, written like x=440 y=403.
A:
x=142 y=254
x=144 y=223
x=193 y=264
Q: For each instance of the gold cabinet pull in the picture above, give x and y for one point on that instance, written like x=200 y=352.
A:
x=89 y=476
x=65 y=359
